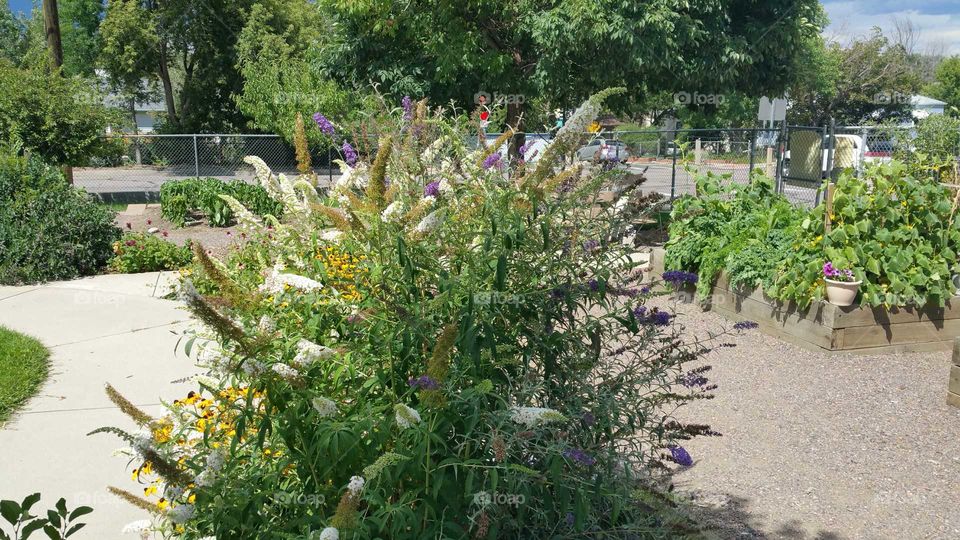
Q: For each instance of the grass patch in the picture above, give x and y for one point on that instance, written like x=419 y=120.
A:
x=23 y=367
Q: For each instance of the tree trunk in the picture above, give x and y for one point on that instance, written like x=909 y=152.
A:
x=515 y=120
x=51 y=26
x=167 y=86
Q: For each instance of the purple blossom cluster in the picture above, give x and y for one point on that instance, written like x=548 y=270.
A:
x=326 y=127
x=837 y=274
x=681 y=456
x=579 y=456
x=679 y=277
x=653 y=316
x=432 y=189
x=493 y=161
x=424 y=382
x=407 y=105
x=349 y=154
x=745 y=325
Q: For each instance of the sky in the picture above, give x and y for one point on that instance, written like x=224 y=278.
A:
x=937 y=20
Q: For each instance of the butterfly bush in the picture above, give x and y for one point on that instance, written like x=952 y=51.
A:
x=392 y=349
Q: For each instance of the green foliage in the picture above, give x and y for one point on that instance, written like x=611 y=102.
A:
x=61 y=119
x=895 y=228
x=469 y=364
x=947 y=85
x=23 y=367
x=59 y=523
x=80 y=34
x=562 y=52
x=867 y=81
x=712 y=231
x=936 y=145
x=180 y=198
x=141 y=252
x=48 y=229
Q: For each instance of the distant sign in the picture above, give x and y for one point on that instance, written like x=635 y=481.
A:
x=772 y=110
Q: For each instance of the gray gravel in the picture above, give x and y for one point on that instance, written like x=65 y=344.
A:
x=823 y=446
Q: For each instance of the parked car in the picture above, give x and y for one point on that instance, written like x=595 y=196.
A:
x=604 y=150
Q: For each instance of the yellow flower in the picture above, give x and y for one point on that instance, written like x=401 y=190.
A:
x=162 y=503
x=149 y=490
x=192 y=498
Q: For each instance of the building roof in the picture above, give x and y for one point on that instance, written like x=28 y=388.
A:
x=924 y=101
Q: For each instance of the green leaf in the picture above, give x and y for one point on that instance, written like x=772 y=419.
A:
x=10 y=511
x=32 y=527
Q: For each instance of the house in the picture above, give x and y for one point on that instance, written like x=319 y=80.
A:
x=924 y=106
x=146 y=113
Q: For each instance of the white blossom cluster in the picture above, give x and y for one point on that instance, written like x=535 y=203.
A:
x=329 y=533
x=430 y=223
x=331 y=235
x=324 y=407
x=406 y=416
x=278 y=282
x=355 y=487
x=285 y=372
x=533 y=416
x=137 y=527
x=181 y=514
x=309 y=352
x=392 y=212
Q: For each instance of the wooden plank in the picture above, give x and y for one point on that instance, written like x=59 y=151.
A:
x=930 y=346
x=954 y=385
x=867 y=316
x=953 y=399
x=956 y=352
x=897 y=334
x=769 y=318
x=777 y=331
x=820 y=312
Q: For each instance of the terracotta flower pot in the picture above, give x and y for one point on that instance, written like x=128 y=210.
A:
x=842 y=293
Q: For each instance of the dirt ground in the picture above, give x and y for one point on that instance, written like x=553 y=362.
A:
x=821 y=446
x=141 y=218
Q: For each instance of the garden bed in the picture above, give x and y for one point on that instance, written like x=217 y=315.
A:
x=823 y=326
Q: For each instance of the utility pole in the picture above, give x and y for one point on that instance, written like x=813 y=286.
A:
x=51 y=25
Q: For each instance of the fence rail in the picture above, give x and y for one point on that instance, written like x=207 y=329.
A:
x=798 y=157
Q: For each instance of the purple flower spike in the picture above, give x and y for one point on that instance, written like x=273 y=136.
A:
x=407 y=104
x=579 y=456
x=681 y=456
x=424 y=382
x=432 y=189
x=326 y=127
x=492 y=161
x=349 y=154
x=745 y=325
x=679 y=277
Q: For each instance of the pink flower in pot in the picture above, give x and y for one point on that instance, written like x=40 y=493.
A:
x=842 y=285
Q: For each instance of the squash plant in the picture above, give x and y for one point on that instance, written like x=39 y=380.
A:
x=897 y=229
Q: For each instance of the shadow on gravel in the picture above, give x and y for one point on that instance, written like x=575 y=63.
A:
x=724 y=516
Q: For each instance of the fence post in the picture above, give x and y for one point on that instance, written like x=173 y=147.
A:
x=196 y=156
x=330 y=167
x=863 y=151
x=673 y=175
x=782 y=143
x=753 y=140
x=769 y=168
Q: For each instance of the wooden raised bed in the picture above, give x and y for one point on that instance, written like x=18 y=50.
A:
x=823 y=326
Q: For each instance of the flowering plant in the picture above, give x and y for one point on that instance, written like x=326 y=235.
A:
x=462 y=352
x=833 y=273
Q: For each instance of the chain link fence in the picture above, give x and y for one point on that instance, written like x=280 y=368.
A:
x=800 y=158
x=139 y=164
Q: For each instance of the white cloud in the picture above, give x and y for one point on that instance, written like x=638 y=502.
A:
x=938 y=22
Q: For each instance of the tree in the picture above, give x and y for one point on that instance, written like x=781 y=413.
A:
x=190 y=47
x=563 y=51
x=280 y=78
x=13 y=39
x=947 y=85
x=868 y=81
x=61 y=119
x=80 y=29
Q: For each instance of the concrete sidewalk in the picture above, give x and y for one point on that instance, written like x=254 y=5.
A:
x=112 y=328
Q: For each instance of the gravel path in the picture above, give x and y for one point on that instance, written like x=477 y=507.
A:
x=819 y=446
x=216 y=239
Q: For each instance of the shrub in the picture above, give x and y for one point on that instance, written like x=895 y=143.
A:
x=465 y=353
x=715 y=230
x=48 y=229
x=896 y=228
x=180 y=198
x=139 y=252
x=58 y=523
